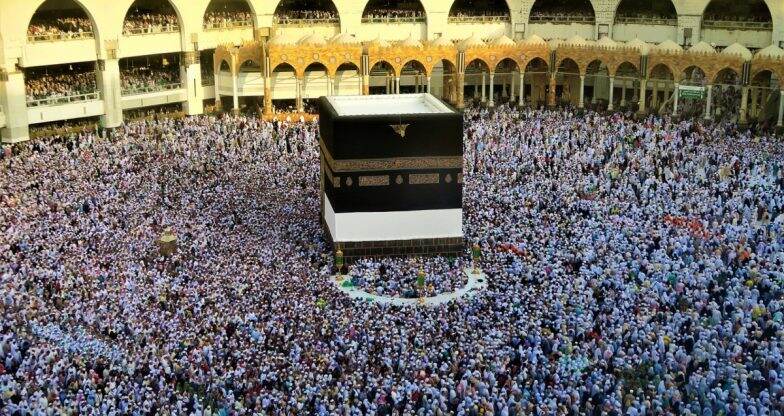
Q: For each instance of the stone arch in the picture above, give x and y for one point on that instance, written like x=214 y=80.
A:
x=615 y=68
x=449 y=81
x=723 y=74
x=757 y=70
x=570 y=61
x=758 y=7
x=664 y=9
x=215 y=3
x=693 y=74
x=479 y=63
x=537 y=62
x=285 y=67
x=250 y=64
x=79 y=6
x=382 y=63
x=661 y=66
x=470 y=7
x=318 y=9
x=413 y=6
x=542 y=7
x=315 y=64
x=507 y=61
x=415 y=62
x=595 y=68
x=151 y=3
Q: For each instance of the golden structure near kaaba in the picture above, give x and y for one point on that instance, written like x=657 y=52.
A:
x=554 y=70
x=168 y=242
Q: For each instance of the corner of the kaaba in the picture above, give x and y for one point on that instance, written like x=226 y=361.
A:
x=392 y=182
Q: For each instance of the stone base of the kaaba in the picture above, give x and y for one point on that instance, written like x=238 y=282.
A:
x=355 y=250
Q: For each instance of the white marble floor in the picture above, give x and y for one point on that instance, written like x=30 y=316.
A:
x=476 y=284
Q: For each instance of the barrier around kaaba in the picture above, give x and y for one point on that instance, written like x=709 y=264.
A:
x=391 y=175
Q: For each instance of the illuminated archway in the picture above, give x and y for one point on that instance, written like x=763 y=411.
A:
x=562 y=12
x=60 y=20
x=479 y=11
x=228 y=14
x=646 y=12
x=394 y=11
x=537 y=73
x=151 y=16
x=306 y=12
x=382 y=78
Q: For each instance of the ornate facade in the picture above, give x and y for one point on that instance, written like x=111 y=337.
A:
x=665 y=64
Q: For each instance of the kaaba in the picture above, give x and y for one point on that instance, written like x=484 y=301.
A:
x=391 y=175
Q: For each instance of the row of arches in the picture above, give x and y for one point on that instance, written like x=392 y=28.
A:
x=71 y=15
x=534 y=82
x=691 y=75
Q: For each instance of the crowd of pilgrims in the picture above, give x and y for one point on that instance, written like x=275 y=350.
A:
x=60 y=82
x=294 y=15
x=61 y=25
x=635 y=268
x=399 y=277
x=399 y=14
x=148 y=78
x=227 y=18
x=139 y=21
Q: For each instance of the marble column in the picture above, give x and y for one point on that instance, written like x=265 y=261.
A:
x=511 y=87
x=708 y=103
x=623 y=93
x=490 y=101
x=521 y=96
x=235 y=99
x=111 y=92
x=484 y=91
x=744 y=98
x=655 y=95
x=15 y=102
x=551 y=94
x=643 y=91
x=612 y=93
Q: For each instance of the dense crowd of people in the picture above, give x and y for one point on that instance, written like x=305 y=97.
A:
x=285 y=16
x=43 y=87
x=148 y=78
x=635 y=268
x=46 y=26
x=401 y=277
x=227 y=18
x=468 y=13
x=139 y=22
x=393 y=14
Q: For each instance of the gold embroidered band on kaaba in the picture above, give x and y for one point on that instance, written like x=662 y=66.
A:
x=398 y=163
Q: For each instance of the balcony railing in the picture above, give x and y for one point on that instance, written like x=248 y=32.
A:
x=561 y=19
x=287 y=21
x=208 y=80
x=737 y=25
x=235 y=24
x=380 y=19
x=46 y=102
x=146 y=89
x=148 y=30
x=637 y=20
x=478 y=19
x=54 y=37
